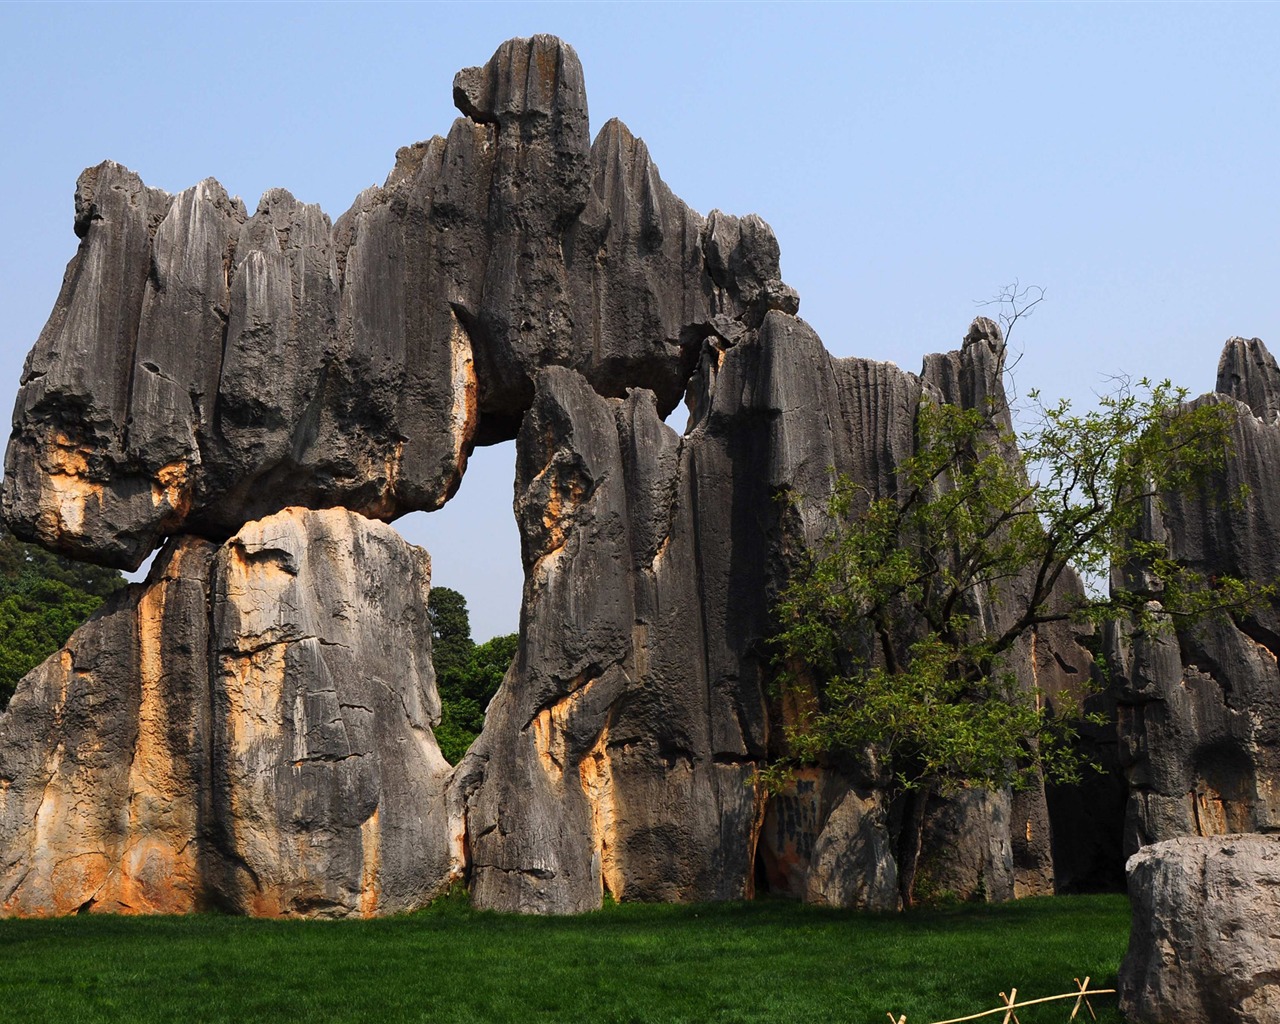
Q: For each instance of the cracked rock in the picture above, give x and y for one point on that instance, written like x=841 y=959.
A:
x=273 y=756
x=203 y=368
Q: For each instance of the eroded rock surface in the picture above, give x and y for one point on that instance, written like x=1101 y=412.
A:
x=1205 y=943
x=104 y=756
x=619 y=755
x=328 y=785
x=273 y=756
x=270 y=697
x=1199 y=710
x=203 y=368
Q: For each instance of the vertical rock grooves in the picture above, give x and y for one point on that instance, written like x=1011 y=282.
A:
x=298 y=777
x=1199 y=710
x=252 y=727
x=203 y=368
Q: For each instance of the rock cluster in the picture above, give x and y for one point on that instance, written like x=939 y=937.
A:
x=251 y=727
x=620 y=754
x=1198 y=714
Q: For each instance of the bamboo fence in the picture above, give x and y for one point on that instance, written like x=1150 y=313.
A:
x=1080 y=995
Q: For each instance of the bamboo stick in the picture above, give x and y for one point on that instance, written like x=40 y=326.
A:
x=1009 y=1008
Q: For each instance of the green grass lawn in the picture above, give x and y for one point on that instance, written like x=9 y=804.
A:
x=765 y=961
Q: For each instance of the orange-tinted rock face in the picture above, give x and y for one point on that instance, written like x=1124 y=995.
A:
x=329 y=787
x=103 y=747
x=302 y=778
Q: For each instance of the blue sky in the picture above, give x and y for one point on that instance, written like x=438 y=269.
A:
x=912 y=158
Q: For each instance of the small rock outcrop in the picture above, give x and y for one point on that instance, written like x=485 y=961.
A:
x=249 y=729
x=1204 y=947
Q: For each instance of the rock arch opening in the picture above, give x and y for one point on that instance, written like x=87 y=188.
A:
x=474 y=544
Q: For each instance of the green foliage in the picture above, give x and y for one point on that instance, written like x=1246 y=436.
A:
x=888 y=643
x=43 y=598
x=467 y=674
x=450 y=631
x=748 y=963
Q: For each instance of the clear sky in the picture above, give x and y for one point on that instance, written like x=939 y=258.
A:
x=912 y=158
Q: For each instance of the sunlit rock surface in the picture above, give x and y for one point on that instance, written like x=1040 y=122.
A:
x=249 y=729
x=104 y=754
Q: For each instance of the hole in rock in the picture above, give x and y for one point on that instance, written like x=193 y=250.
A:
x=678 y=418
x=139 y=574
x=474 y=543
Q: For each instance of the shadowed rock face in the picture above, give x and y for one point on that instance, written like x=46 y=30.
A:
x=203 y=368
x=619 y=754
x=1199 y=711
x=274 y=757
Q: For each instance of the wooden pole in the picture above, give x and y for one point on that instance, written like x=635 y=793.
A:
x=1029 y=1002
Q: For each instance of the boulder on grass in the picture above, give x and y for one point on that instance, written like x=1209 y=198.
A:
x=1205 y=944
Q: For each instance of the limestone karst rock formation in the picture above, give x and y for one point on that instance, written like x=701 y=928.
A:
x=250 y=728
x=619 y=755
x=1199 y=727
x=1204 y=946
x=203 y=368
x=1199 y=710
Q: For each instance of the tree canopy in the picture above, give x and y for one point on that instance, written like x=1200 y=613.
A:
x=467 y=674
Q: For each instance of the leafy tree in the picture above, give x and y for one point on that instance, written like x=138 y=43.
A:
x=467 y=674
x=489 y=663
x=451 y=641
x=43 y=598
x=886 y=643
